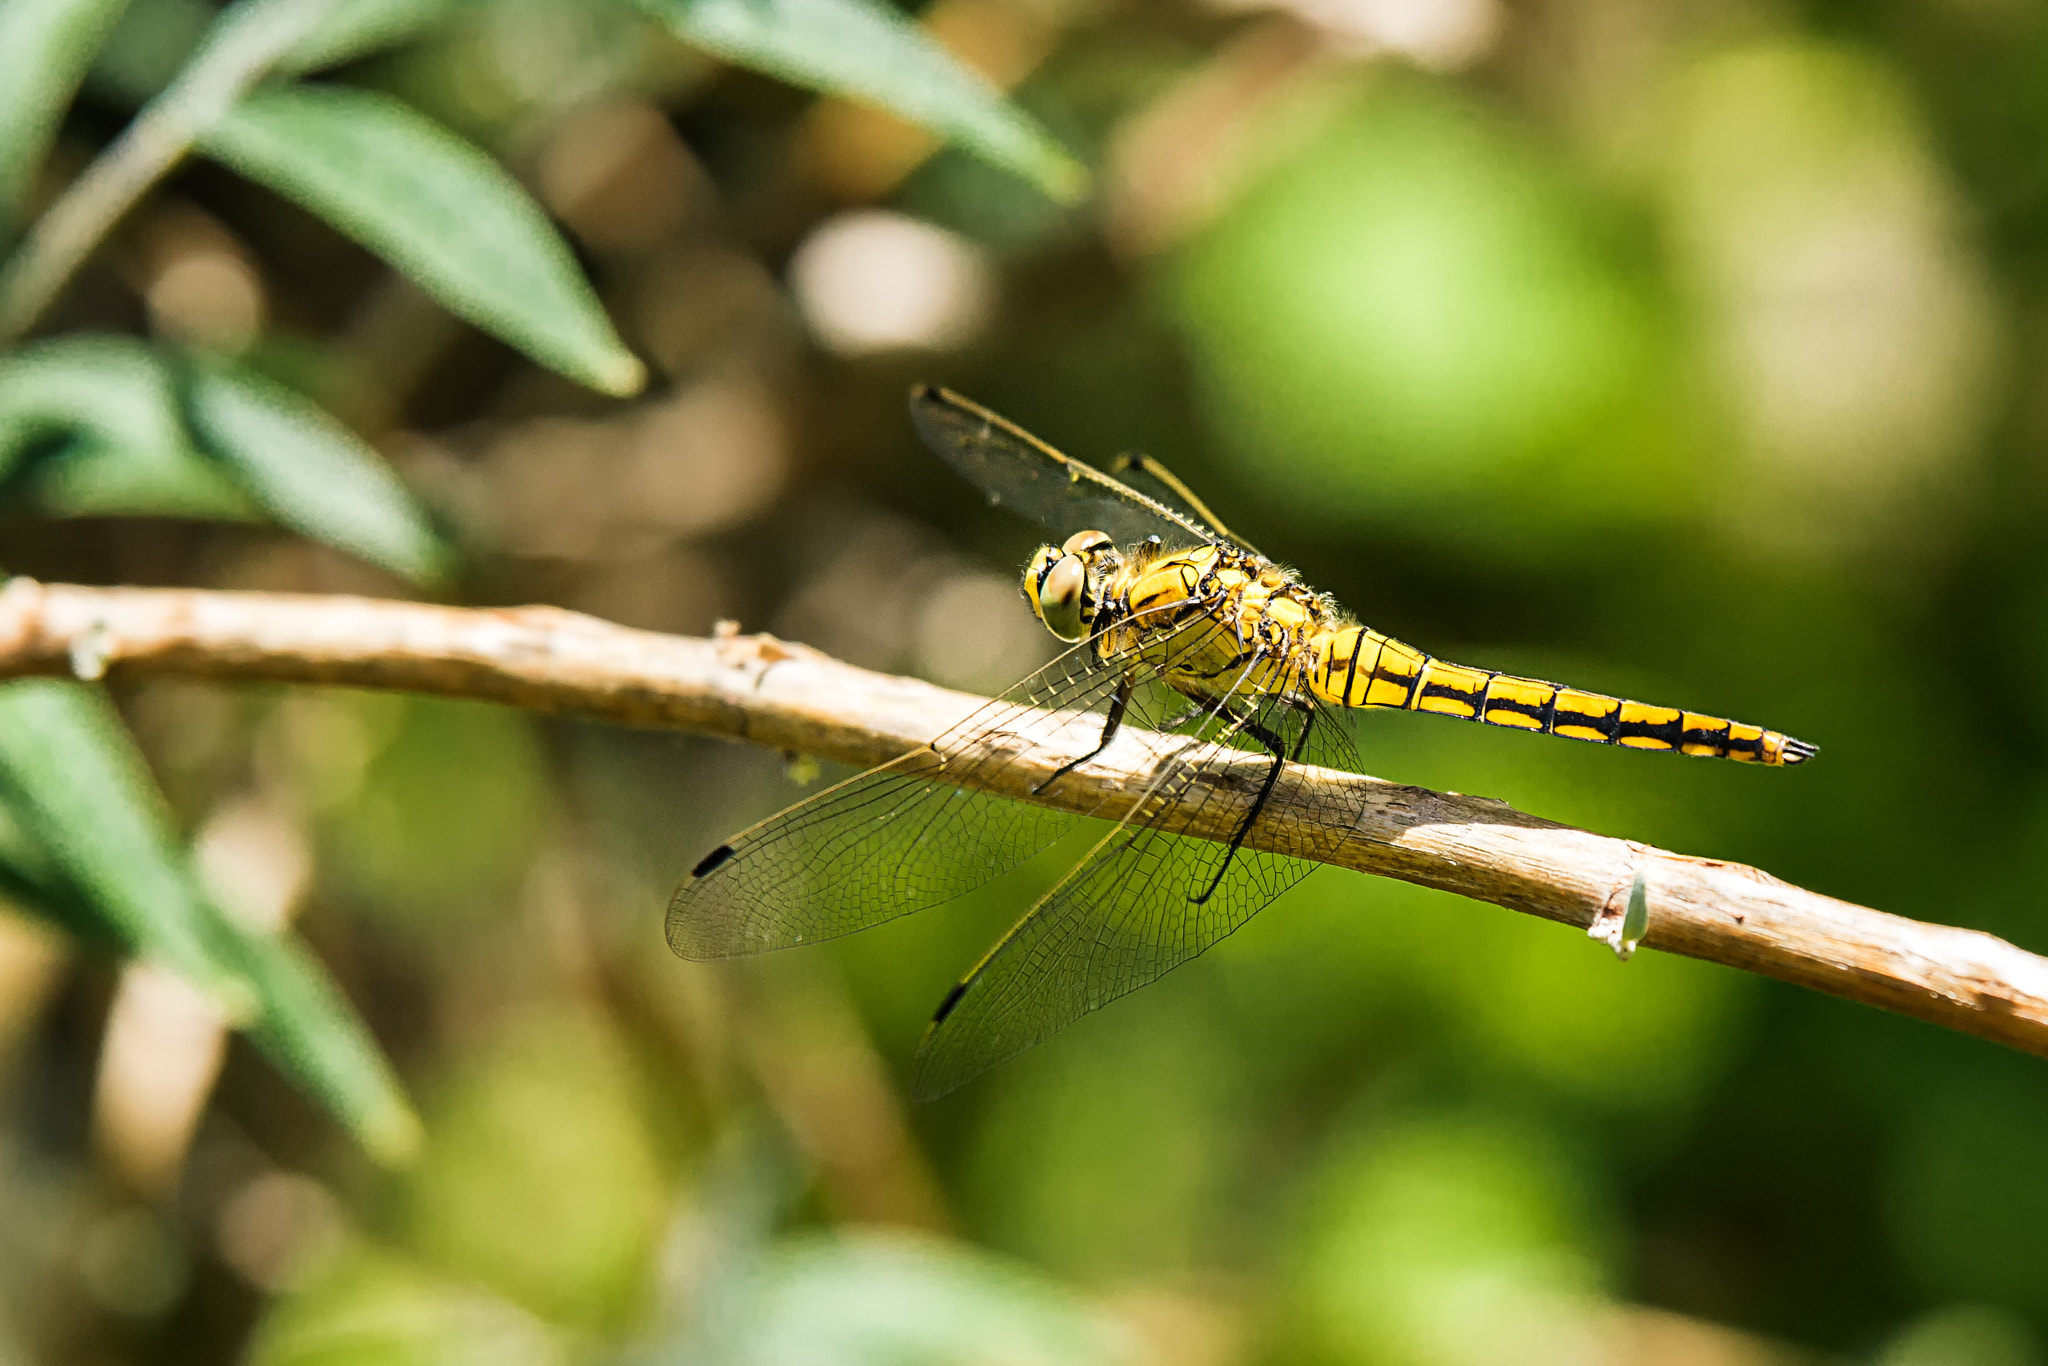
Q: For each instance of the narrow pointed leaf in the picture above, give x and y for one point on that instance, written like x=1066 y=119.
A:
x=308 y=471
x=72 y=779
x=85 y=841
x=47 y=46
x=311 y=1033
x=90 y=426
x=29 y=883
x=147 y=49
x=354 y=29
x=439 y=210
x=865 y=50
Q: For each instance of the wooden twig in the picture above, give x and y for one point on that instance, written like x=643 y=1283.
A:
x=789 y=697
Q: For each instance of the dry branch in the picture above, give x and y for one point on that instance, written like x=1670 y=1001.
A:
x=792 y=698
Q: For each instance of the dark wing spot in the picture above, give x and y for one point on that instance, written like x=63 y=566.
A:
x=712 y=861
x=952 y=999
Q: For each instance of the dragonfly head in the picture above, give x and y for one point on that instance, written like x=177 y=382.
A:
x=1064 y=583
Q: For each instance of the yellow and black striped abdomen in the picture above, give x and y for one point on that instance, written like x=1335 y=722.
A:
x=1356 y=667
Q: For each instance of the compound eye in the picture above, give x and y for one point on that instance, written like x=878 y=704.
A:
x=1059 y=597
x=1086 y=542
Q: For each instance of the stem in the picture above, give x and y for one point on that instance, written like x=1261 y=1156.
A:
x=244 y=43
x=788 y=697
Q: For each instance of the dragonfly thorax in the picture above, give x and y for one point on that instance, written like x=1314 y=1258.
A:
x=1218 y=619
x=1263 y=628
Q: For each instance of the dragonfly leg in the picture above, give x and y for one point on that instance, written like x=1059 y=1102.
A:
x=1110 y=726
x=1278 y=749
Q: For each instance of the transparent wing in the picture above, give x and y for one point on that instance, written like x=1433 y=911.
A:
x=1145 y=475
x=1145 y=900
x=906 y=835
x=1020 y=472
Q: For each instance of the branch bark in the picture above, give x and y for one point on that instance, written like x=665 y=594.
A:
x=789 y=697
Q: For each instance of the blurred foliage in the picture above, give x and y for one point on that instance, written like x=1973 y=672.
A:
x=1448 y=1239
x=1673 y=350
x=1415 y=253
x=420 y=836
x=375 y=1307
x=563 y=1212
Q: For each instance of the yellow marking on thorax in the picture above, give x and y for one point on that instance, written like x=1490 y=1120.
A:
x=1261 y=620
x=1288 y=614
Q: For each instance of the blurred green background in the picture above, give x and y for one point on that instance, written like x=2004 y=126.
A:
x=1680 y=350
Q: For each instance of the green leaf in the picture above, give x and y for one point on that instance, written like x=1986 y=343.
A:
x=311 y=1033
x=85 y=839
x=70 y=776
x=99 y=420
x=147 y=48
x=868 y=1299
x=97 y=426
x=354 y=29
x=156 y=38
x=370 y=1305
x=1635 y=922
x=309 y=471
x=438 y=209
x=29 y=882
x=47 y=47
x=865 y=50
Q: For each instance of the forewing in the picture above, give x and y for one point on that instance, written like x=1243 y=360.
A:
x=1020 y=472
x=907 y=835
x=1128 y=913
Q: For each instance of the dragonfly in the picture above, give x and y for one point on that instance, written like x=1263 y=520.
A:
x=1189 y=653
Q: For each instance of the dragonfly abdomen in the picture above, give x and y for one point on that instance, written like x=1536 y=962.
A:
x=1358 y=667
